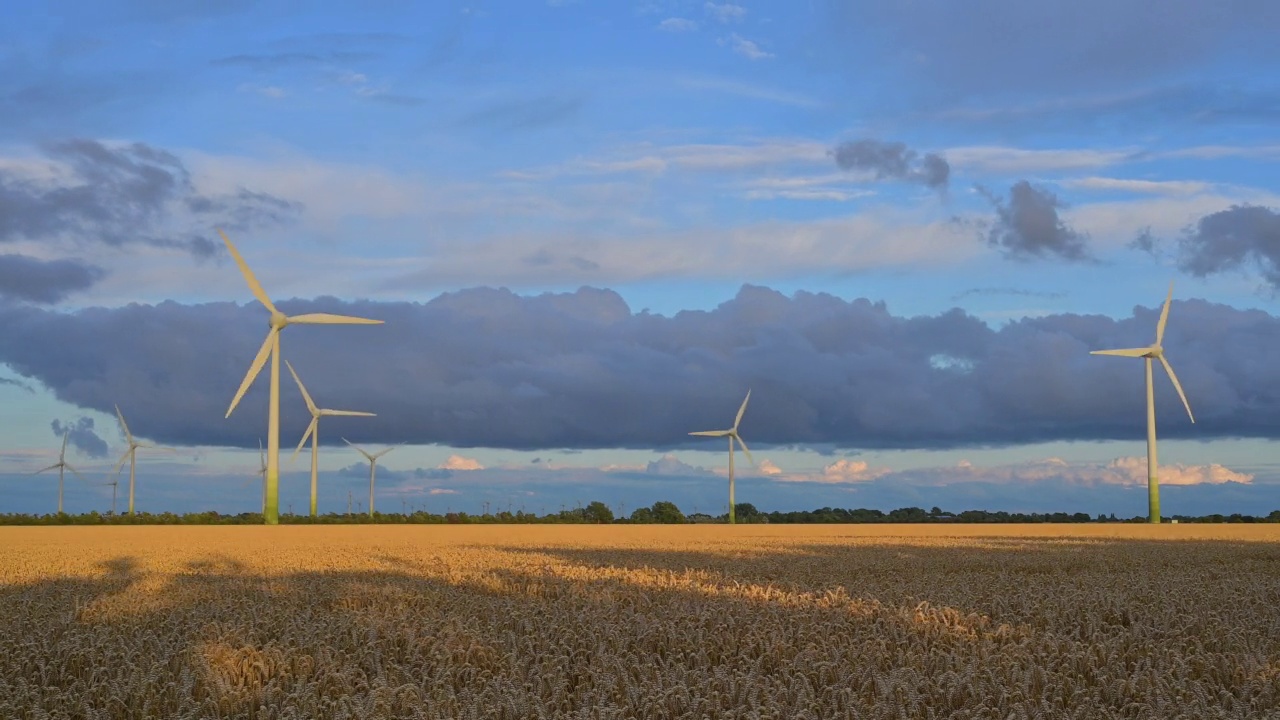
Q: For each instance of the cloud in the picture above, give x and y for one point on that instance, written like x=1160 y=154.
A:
x=458 y=462
x=267 y=62
x=1001 y=160
x=677 y=25
x=441 y=491
x=525 y=113
x=1028 y=226
x=1157 y=187
x=582 y=370
x=893 y=161
x=748 y=48
x=768 y=467
x=90 y=192
x=1239 y=238
x=1003 y=48
x=44 y=281
x=671 y=465
x=80 y=435
x=725 y=12
x=1122 y=471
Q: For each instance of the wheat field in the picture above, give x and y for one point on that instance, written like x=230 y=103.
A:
x=1083 y=621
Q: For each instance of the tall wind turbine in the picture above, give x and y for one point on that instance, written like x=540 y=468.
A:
x=60 y=465
x=132 y=455
x=313 y=431
x=732 y=434
x=1155 y=351
x=373 y=466
x=271 y=347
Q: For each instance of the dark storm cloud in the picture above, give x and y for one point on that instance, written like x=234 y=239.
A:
x=44 y=281
x=81 y=436
x=485 y=367
x=1012 y=47
x=1243 y=237
x=123 y=195
x=893 y=161
x=1028 y=226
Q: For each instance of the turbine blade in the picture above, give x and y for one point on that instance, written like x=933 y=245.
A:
x=51 y=467
x=384 y=452
x=254 y=286
x=305 y=395
x=741 y=410
x=345 y=413
x=712 y=433
x=744 y=449
x=63 y=452
x=1178 y=386
x=328 y=319
x=310 y=429
x=254 y=369
x=1164 y=315
x=358 y=448
x=124 y=426
x=1126 y=352
x=123 y=457
x=73 y=470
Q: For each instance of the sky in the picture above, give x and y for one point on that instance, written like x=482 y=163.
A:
x=591 y=227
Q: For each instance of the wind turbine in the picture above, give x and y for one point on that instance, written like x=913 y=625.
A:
x=732 y=434
x=271 y=347
x=262 y=472
x=132 y=455
x=60 y=465
x=373 y=466
x=115 y=485
x=1155 y=351
x=313 y=431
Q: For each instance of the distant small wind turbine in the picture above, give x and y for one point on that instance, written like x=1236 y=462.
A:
x=262 y=474
x=132 y=455
x=732 y=434
x=373 y=466
x=60 y=466
x=1155 y=351
x=313 y=431
x=115 y=485
x=271 y=348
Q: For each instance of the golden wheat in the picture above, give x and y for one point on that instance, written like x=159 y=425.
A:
x=884 y=622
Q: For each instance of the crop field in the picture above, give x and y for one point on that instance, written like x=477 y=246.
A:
x=1084 y=621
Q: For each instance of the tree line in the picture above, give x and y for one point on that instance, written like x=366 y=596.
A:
x=598 y=513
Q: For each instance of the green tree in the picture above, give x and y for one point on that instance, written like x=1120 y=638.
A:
x=747 y=513
x=667 y=513
x=598 y=513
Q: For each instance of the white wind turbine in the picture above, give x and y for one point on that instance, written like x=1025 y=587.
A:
x=313 y=431
x=262 y=475
x=60 y=466
x=1155 y=351
x=732 y=434
x=271 y=348
x=132 y=455
x=373 y=466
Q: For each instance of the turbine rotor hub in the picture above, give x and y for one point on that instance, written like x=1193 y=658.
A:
x=278 y=320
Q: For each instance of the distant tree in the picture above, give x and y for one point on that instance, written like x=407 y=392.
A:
x=598 y=513
x=747 y=513
x=667 y=513
x=643 y=515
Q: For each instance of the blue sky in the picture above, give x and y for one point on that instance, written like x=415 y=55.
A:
x=903 y=225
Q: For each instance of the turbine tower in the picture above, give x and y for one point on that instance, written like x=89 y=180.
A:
x=132 y=455
x=60 y=465
x=373 y=466
x=732 y=434
x=313 y=431
x=271 y=348
x=1155 y=351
